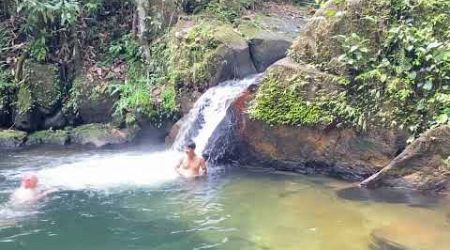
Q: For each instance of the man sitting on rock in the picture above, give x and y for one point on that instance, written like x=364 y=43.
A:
x=191 y=165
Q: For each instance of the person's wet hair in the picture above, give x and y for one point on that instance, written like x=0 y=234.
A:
x=191 y=145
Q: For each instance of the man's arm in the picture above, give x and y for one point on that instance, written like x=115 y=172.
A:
x=203 y=166
x=179 y=163
x=44 y=194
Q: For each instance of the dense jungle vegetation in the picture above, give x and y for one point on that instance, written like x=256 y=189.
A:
x=398 y=78
x=391 y=59
x=106 y=39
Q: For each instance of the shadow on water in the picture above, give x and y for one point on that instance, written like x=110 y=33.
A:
x=389 y=195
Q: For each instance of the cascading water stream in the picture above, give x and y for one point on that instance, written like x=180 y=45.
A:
x=121 y=170
x=207 y=113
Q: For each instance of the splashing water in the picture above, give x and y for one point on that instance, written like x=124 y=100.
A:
x=115 y=171
x=207 y=113
x=122 y=170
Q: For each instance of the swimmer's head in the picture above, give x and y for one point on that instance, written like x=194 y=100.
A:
x=29 y=181
x=190 y=147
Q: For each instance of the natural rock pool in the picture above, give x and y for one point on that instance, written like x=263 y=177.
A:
x=130 y=199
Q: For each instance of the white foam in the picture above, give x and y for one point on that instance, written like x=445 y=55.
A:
x=112 y=171
x=209 y=111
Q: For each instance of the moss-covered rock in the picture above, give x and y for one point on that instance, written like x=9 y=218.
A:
x=91 y=100
x=315 y=146
x=52 y=137
x=318 y=43
x=293 y=94
x=423 y=165
x=10 y=139
x=203 y=53
x=39 y=95
x=100 y=135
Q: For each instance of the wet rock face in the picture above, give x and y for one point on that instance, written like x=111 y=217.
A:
x=423 y=165
x=342 y=153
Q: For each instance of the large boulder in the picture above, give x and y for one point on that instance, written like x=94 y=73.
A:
x=291 y=93
x=318 y=42
x=270 y=32
x=90 y=100
x=423 y=165
x=204 y=54
x=233 y=56
x=267 y=48
x=39 y=95
x=100 y=135
x=10 y=139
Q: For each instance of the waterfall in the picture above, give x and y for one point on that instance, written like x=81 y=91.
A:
x=209 y=111
x=203 y=124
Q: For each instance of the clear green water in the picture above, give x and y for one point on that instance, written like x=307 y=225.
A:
x=232 y=209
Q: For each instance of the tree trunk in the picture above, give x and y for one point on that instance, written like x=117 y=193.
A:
x=143 y=28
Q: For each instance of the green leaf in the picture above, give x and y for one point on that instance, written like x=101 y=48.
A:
x=442 y=119
x=428 y=86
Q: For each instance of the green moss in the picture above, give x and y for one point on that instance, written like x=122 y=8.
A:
x=25 y=101
x=447 y=162
x=191 y=55
x=85 y=91
x=9 y=134
x=58 y=137
x=6 y=91
x=284 y=98
x=41 y=88
x=43 y=83
x=394 y=56
x=250 y=28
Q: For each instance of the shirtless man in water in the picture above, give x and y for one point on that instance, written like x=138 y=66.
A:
x=191 y=165
x=28 y=192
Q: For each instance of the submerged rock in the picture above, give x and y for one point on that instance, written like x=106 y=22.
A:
x=10 y=139
x=100 y=135
x=423 y=165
